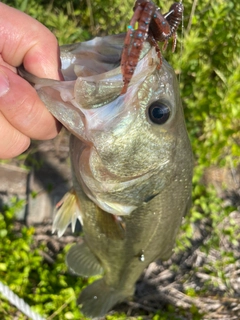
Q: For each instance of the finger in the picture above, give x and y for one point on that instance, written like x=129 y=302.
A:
x=13 y=142
x=24 y=39
x=23 y=109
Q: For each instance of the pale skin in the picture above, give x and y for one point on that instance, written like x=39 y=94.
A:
x=23 y=116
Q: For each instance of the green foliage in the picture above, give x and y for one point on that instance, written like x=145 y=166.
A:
x=210 y=80
x=75 y=21
x=48 y=288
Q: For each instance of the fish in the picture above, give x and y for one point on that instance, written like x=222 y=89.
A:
x=131 y=162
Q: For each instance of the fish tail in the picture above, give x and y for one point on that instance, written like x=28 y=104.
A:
x=98 y=298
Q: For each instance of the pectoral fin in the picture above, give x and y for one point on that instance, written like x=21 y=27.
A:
x=81 y=261
x=68 y=210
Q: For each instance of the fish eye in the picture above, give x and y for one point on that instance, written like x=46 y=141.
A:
x=159 y=112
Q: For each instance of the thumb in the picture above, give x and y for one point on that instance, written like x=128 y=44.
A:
x=13 y=142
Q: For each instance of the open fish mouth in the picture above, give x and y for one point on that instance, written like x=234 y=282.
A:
x=90 y=97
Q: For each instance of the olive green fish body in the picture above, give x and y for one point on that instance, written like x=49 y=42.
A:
x=131 y=164
x=161 y=200
x=150 y=232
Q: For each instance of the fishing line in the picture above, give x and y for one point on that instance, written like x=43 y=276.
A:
x=19 y=303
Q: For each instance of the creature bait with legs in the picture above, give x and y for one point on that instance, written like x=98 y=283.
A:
x=153 y=27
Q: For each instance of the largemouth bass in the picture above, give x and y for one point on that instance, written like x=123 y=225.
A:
x=131 y=163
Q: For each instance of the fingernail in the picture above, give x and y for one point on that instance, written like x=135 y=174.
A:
x=4 y=84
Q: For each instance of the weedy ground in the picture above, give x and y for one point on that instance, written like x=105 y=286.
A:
x=201 y=280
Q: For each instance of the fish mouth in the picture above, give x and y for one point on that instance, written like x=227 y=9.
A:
x=98 y=102
x=92 y=84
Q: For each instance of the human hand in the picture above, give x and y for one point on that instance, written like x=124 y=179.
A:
x=23 y=116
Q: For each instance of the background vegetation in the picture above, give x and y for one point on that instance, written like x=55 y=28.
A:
x=207 y=60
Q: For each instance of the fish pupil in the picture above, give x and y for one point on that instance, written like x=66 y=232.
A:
x=158 y=112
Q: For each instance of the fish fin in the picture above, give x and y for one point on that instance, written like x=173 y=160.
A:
x=81 y=261
x=98 y=298
x=111 y=225
x=67 y=211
